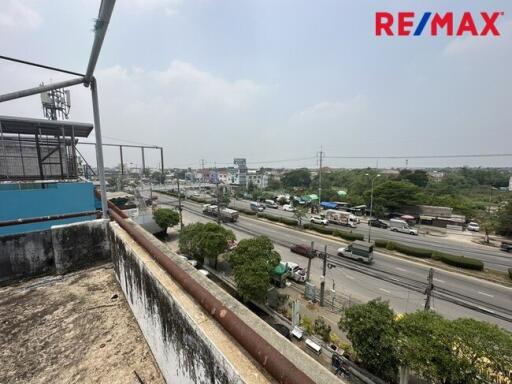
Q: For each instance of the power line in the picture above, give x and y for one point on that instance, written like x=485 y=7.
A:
x=424 y=156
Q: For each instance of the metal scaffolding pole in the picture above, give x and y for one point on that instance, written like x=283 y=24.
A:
x=40 y=89
x=99 y=148
x=143 y=161
x=162 y=164
x=100 y=29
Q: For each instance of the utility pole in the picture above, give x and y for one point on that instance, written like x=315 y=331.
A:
x=179 y=205
x=218 y=196
x=371 y=208
x=430 y=288
x=310 y=256
x=324 y=272
x=320 y=180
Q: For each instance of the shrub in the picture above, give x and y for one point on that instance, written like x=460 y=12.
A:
x=351 y=236
x=288 y=221
x=459 y=261
x=320 y=228
x=247 y=211
x=390 y=246
x=322 y=329
x=413 y=251
x=198 y=200
x=510 y=273
x=379 y=243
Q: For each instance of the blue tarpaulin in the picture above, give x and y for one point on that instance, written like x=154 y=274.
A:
x=328 y=205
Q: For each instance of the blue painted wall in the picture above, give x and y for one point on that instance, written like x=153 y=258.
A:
x=25 y=200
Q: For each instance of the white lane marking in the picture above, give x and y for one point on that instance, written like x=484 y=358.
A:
x=384 y=290
x=485 y=294
x=439 y=280
x=400 y=269
x=350 y=277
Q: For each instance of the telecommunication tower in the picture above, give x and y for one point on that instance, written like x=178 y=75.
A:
x=56 y=104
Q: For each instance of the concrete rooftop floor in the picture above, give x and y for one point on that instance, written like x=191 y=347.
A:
x=75 y=328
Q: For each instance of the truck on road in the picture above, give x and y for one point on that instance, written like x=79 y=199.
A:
x=358 y=250
x=398 y=225
x=341 y=218
x=226 y=214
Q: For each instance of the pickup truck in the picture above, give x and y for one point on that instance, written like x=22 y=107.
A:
x=358 y=250
x=296 y=272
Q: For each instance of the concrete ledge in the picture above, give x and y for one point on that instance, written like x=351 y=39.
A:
x=79 y=244
x=60 y=249
x=188 y=344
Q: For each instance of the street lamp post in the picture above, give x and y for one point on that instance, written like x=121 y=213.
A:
x=371 y=207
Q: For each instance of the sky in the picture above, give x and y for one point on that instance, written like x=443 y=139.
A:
x=274 y=81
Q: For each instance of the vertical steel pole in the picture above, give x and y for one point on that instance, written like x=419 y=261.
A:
x=121 y=155
x=162 y=164
x=99 y=147
x=143 y=161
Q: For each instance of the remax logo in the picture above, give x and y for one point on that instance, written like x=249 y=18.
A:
x=434 y=24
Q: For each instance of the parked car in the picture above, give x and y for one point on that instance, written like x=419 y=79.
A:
x=377 y=223
x=288 y=208
x=474 y=227
x=271 y=204
x=303 y=249
x=318 y=220
x=506 y=246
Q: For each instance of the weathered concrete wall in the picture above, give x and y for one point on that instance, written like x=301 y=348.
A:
x=187 y=343
x=79 y=244
x=59 y=249
x=26 y=254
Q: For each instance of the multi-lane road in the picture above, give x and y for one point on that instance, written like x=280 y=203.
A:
x=401 y=282
x=493 y=258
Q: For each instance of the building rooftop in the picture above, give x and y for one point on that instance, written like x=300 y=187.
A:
x=72 y=329
x=29 y=126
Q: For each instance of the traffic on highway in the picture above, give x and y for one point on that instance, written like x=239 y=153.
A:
x=401 y=281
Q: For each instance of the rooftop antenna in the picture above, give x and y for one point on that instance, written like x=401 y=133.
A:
x=56 y=103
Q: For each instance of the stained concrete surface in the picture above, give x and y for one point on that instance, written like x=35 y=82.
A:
x=75 y=328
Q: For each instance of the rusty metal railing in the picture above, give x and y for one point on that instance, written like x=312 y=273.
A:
x=282 y=369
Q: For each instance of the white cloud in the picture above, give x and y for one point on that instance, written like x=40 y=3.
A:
x=170 y=7
x=474 y=45
x=329 y=111
x=16 y=14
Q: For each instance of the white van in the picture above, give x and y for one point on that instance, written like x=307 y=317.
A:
x=398 y=225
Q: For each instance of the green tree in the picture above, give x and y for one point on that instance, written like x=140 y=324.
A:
x=425 y=345
x=371 y=329
x=417 y=177
x=297 y=178
x=253 y=261
x=487 y=224
x=483 y=351
x=300 y=213
x=274 y=184
x=453 y=352
x=166 y=217
x=156 y=176
x=202 y=241
x=504 y=221
x=394 y=195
